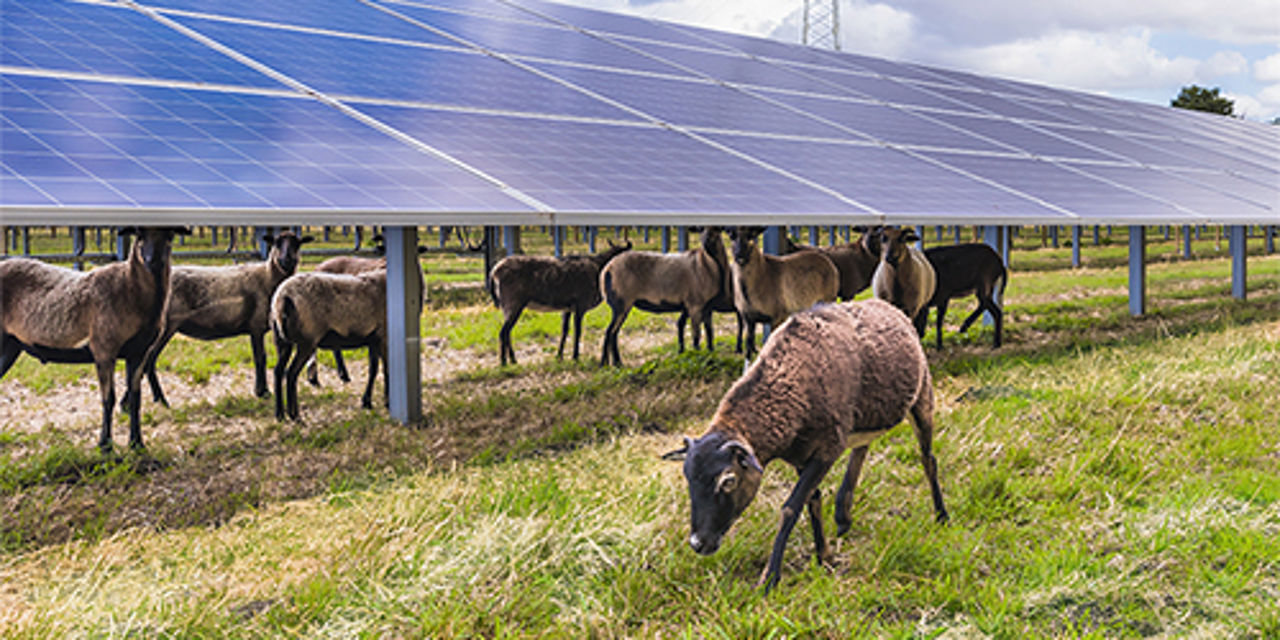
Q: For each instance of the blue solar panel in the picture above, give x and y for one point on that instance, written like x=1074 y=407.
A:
x=697 y=103
x=350 y=67
x=1023 y=138
x=1087 y=197
x=86 y=38
x=890 y=181
x=1007 y=107
x=486 y=8
x=887 y=124
x=592 y=167
x=612 y=23
x=899 y=70
x=1179 y=188
x=548 y=42
x=730 y=67
x=869 y=87
x=108 y=144
x=335 y=15
x=764 y=47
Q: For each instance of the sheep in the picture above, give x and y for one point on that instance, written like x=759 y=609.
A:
x=353 y=265
x=771 y=288
x=687 y=282
x=212 y=303
x=546 y=283
x=834 y=377
x=332 y=311
x=968 y=269
x=904 y=277
x=114 y=311
x=855 y=261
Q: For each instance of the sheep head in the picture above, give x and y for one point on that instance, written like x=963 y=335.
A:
x=895 y=243
x=154 y=244
x=723 y=475
x=744 y=242
x=284 y=250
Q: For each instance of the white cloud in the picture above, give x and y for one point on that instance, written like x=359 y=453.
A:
x=1267 y=69
x=1223 y=63
x=876 y=29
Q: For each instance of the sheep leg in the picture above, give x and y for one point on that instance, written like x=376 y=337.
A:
x=153 y=380
x=738 y=347
x=259 y=365
x=810 y=476
x=822 y=553
x=283 y=350
x=366 y=400
x=504 y=335
x=133 y=394
x=942 y=313
x=313 y=372
x=298 y=361
x=751 y=338
x=341 y=365
x=706 y=325
x=680 y=322
x=844 y=496
x=577 y=331
x=10 y=349
x=564 y=333
x=609 y=350
x=987 y=303
x=921 y=320
x=107 y=387
x=922 y=419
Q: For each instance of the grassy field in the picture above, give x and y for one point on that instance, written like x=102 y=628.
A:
x=1106 y=476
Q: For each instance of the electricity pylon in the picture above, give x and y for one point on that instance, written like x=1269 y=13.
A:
x=821 y=24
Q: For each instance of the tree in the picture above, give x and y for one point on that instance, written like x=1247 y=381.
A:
x=1198 y=98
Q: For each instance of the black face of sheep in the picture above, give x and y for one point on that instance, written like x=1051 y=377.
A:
x=285 y=247
x=155 y=244
x=895 y=243
x=744 y=242
x=723 y=477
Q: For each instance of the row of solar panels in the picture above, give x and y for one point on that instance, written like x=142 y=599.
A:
x=505 y=111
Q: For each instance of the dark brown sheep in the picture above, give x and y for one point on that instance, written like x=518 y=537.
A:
x=968 y=269
x=855 y=261
x=569 y=284
x=834 y=377
x=212 y=303
x=904 y=277
x=771 y=288
x=686 y=282
x=114 y=311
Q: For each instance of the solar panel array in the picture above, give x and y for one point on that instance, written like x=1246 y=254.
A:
x=525 y=111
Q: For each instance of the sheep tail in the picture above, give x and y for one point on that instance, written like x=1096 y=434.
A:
x=492 y=287
x=288 y=326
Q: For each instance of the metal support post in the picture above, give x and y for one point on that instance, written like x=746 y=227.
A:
x=1075 y=246
x=813 y=236
x=591 y=239
x=557 y=236
x=1096 y=239
x=1186 y=241
x=682 y=238
x=920 y=235
x=666 y=239
x=510 y=239
x=1271 y=239
x=77 y=246
x=1053 y=235
x=404 y=308
x=991 y=236
x=1239 y=260
x=1137 y=270
x=959 y=234
x=122 y=247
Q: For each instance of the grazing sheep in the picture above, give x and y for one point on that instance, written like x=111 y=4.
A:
x=834 y=377
x=904 y=277
x=330 y=311
x=352 y=265
x=570 y=284
x=771 y=288
x=114 y=311
x=212 y=303
x=664 y=283
x=968 y=269
x=855 y=261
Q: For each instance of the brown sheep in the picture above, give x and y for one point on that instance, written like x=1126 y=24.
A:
x=212 y=303
x=856 y=261
x=771 y=288
x=114 y=311
x=330 y=311
x=904 y=277
x=686 y=282
x=569 y=284
x=835 y=377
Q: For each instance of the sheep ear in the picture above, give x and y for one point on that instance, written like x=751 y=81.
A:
x=422 y=249
x=910 y=236
x=744 y=456
x=306 y=239
x=680 y=453
x=128 y=231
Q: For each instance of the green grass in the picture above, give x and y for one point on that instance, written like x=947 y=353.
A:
x=1106 y=476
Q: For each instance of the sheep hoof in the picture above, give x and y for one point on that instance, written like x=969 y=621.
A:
x=315 y=382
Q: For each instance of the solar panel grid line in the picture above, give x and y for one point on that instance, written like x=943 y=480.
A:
x=1172 y=203
x=304 y=29
x=303 y=88
x=147 y=82
x=649 y=117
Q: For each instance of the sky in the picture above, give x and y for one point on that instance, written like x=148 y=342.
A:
x=1144 y=50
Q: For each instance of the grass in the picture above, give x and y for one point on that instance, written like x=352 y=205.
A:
x=1107 y=477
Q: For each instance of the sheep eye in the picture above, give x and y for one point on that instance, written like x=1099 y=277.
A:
x=726 y=483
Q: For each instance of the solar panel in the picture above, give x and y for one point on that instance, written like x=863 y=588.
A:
x=96 y=39
x=696 y=103
x=1181 y=188
x=1023 y=138
x=728 y=67
x=869 y=87
x=611 y=23
x=351 y=67
x=597 y=167
x=333 y=15
x=75 y=142
x=895 y=183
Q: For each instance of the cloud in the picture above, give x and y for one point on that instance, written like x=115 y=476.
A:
x=1267 y=69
